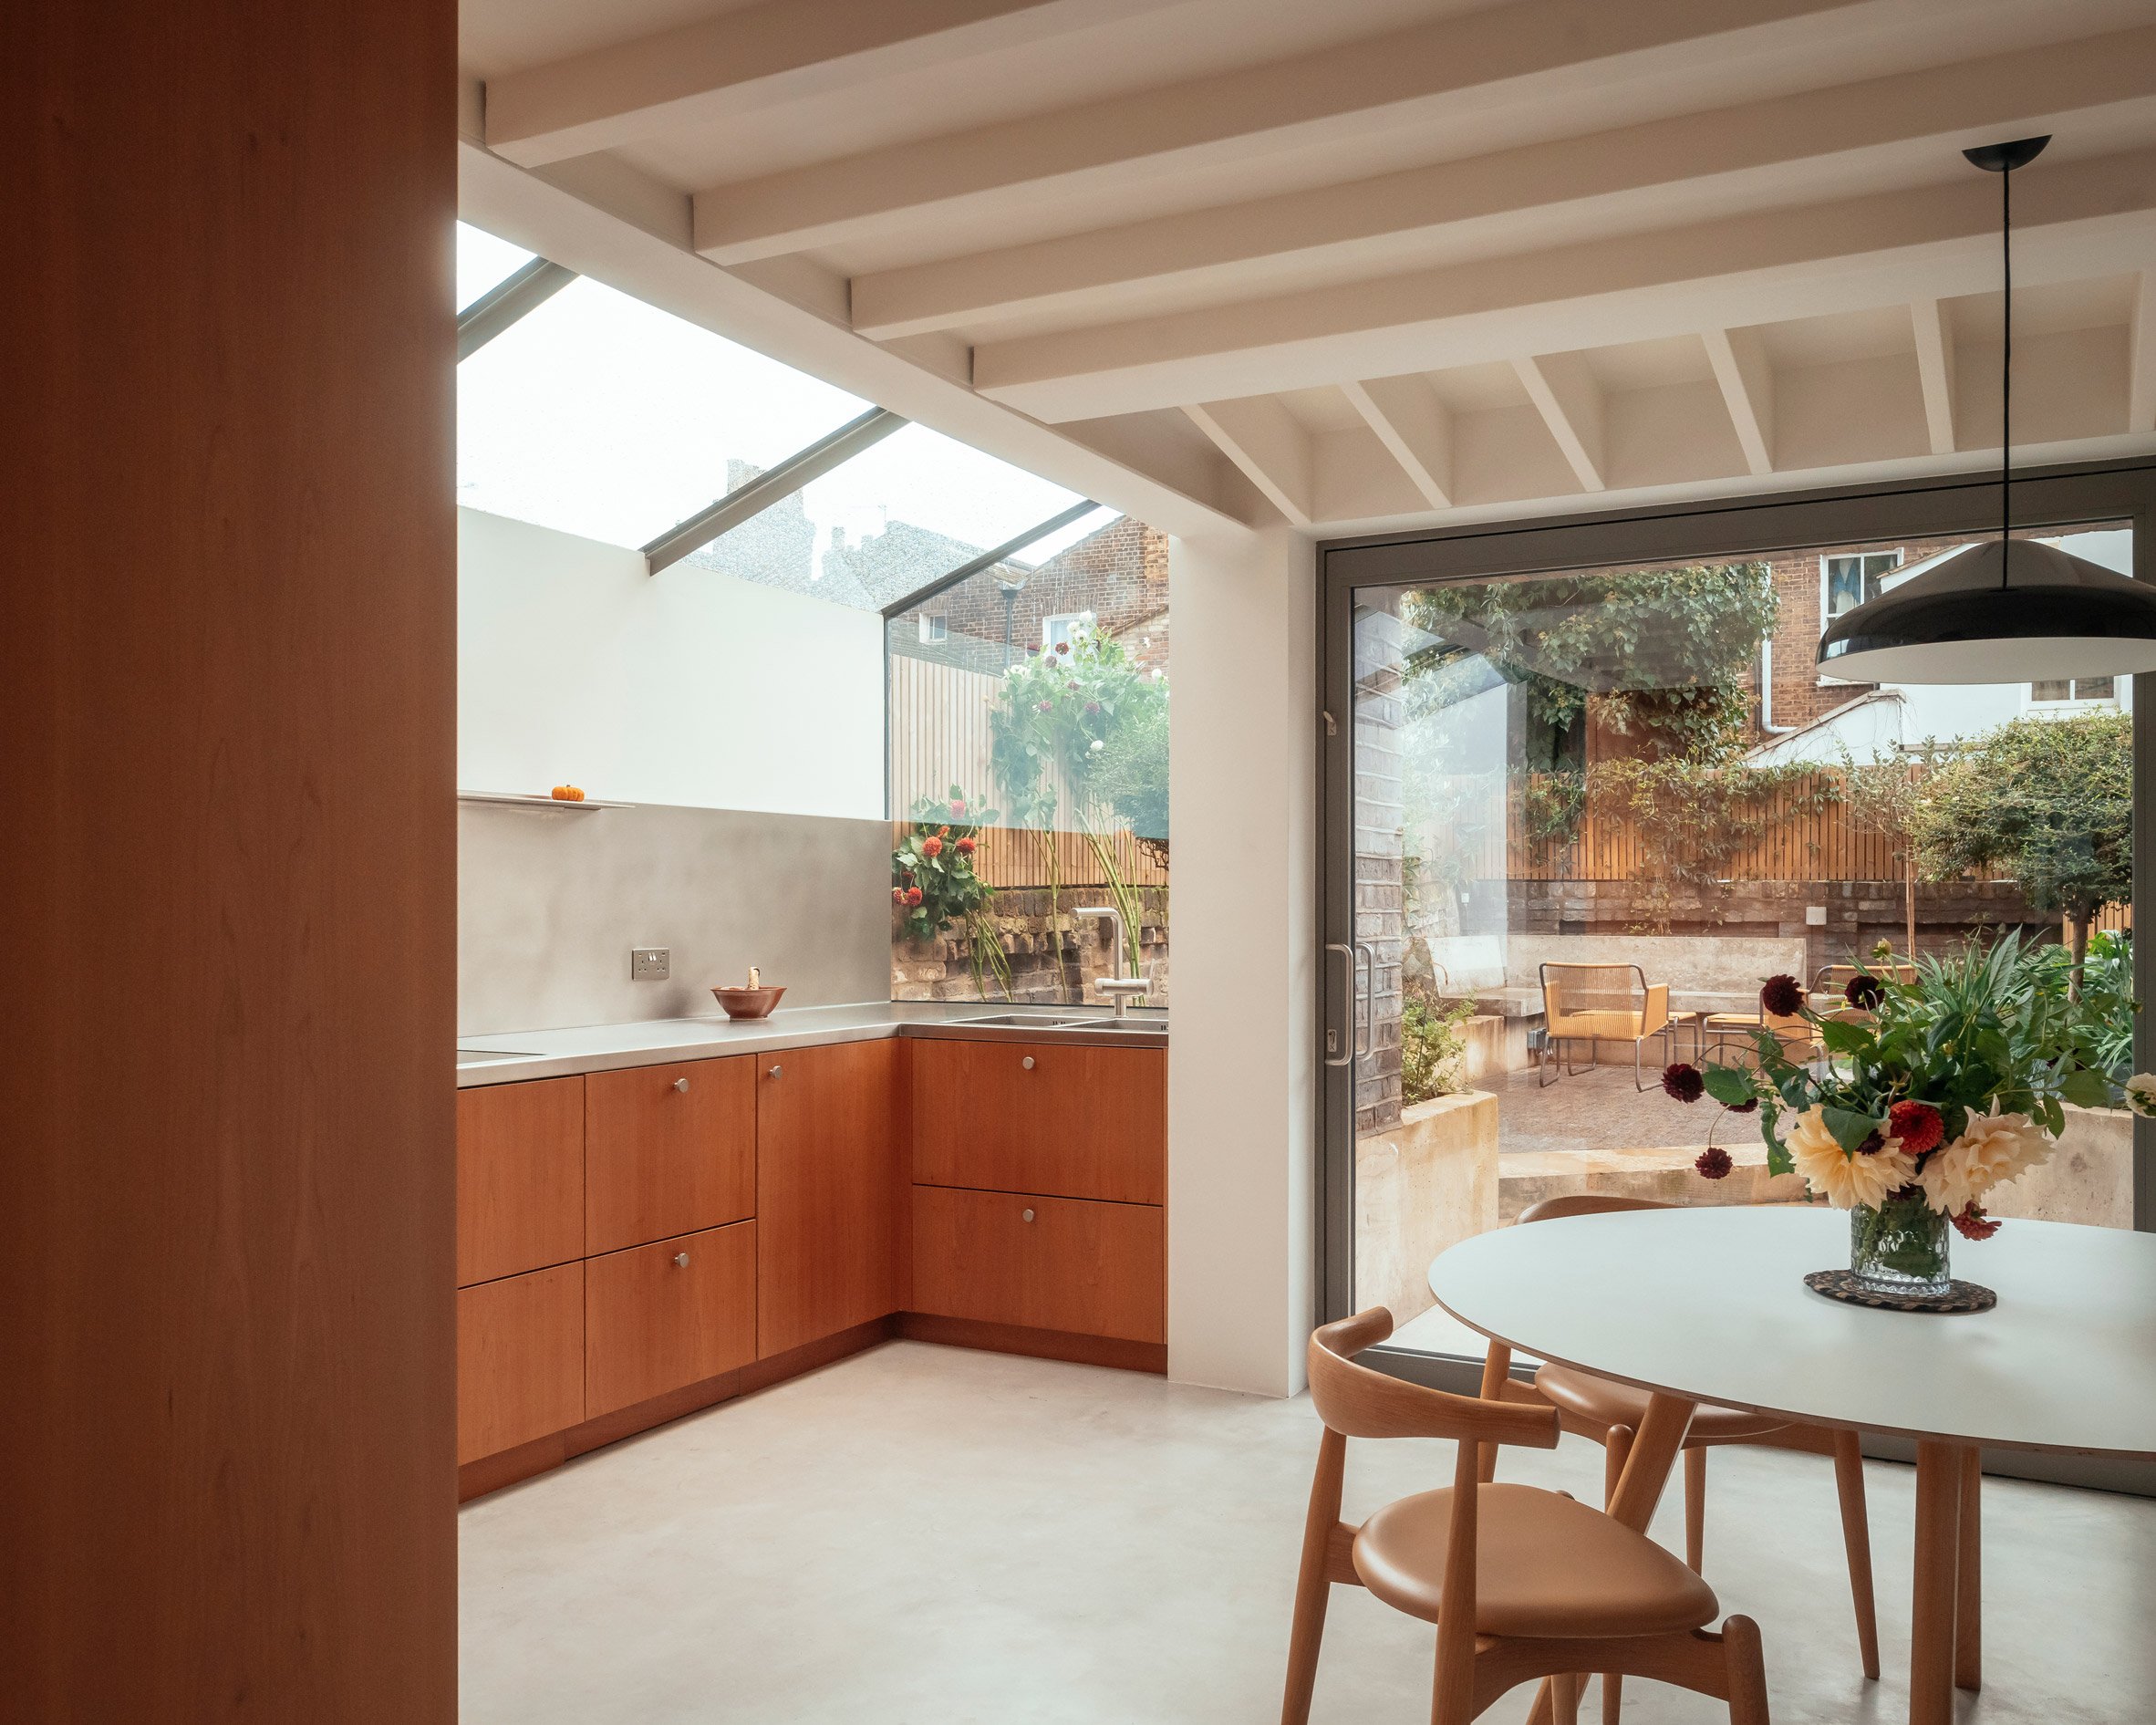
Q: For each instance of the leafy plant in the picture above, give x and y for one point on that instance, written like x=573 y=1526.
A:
x=2050 y=801
x=1432 y=1045
x=935 y=884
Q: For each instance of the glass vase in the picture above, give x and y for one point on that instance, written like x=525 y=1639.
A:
x=1902 y=1247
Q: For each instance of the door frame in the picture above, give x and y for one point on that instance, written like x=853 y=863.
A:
x=1701 y=531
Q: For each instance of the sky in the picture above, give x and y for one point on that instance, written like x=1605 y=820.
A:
x=599 y=415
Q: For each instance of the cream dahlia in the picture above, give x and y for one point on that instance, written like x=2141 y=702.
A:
x=1842 y=1179
x=1993 y=1149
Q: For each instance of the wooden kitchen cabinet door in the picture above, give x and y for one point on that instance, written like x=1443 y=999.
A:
x=672 y=1313
x=1047 y=1263
x=1068 y=1119
x=520 y=1177
x=831 y=1184
x=520 y=1359
x=668 y=1150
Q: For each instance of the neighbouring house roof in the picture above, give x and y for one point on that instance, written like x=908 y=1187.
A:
x=1797 y=744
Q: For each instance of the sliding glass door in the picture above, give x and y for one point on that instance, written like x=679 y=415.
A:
x=1585 y=789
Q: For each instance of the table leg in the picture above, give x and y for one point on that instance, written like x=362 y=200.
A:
x=1940 y=1468
x=1654 y=1447
x=1968 y=1603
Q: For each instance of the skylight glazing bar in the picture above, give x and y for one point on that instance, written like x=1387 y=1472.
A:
x=500 y=306
x=989 y=558
x=769 y=487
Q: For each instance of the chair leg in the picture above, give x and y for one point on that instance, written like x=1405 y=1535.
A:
x=1564 y=1699
x=1746 y=1672
x=1612 y=1697
x=1616 y=1450
x=1856 y=1540
x=1695 y=1509
x=1313 y=1583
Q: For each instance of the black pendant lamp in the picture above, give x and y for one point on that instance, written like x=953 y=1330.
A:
x=2006 y=609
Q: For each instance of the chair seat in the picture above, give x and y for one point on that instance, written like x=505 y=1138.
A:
x=1617 y=1027
x=1607 y=1402
x=1544 y=1565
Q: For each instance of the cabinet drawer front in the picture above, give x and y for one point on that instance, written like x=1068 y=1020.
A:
x=668 y=1150
x=1078 y=1122
x=653 y=1324
x=520 y=1359
x=520 y=1178
x=1091 y=1269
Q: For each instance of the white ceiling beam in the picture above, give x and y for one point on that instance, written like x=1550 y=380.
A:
x=1271 y=447
x=1571 y=402
x=778 y=50
x=1414 y=425
x=1484 y=59
x=1934 y=368
x=2008 y=94
x=1746 y=376
x=2141 y=393
x=2075 y=219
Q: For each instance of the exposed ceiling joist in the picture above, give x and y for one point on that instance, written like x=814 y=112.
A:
x=1271 y=447
x=1414 y=425
x=1486 y=57
x=778 y=50
x=2078 y=218
x=1934 y=367
x=1762 y=146
x=1571 y=402
x=2141 y=393
x=1746 y=377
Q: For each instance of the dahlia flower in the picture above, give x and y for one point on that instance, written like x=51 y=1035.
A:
x=1842 y=1179
x=1995 y=1149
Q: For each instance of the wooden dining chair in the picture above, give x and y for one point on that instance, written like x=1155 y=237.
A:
x=1609 y=1412
x=1521 y=1584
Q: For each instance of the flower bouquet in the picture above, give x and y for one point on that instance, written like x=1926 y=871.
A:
x=936 y=882
x=1911 y=1100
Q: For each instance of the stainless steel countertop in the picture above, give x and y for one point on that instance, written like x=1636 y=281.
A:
x=559 y=1054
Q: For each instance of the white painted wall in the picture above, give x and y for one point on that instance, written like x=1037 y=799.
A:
x=689 y=687
x=1243 y=1063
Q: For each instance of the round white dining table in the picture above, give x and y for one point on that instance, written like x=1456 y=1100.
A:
x=1708 y=1305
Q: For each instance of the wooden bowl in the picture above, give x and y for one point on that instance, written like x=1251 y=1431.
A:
x=748 y=1002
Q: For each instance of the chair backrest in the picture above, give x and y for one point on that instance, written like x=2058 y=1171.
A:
x=1586 y=1204
x=1570 y=990
x=1357 y=1402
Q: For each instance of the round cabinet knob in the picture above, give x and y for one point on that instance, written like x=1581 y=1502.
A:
x=776 y=1070
x=1028 y=1064
x=1025 y=1215
x=682 y=1085
x=681 y=1258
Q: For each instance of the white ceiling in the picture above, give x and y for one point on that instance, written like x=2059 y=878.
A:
x=1367 y=262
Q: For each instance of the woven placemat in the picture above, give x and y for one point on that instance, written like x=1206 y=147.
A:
x=1842 y=1284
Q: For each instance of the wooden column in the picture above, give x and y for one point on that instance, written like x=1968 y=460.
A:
x=227 y=591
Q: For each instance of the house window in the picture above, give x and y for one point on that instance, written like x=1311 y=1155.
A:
x=935 y=629
x=1064 y=630
x=1853 y=580
x=2075 y=689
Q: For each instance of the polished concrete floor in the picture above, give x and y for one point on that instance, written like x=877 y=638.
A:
x=930 y=1536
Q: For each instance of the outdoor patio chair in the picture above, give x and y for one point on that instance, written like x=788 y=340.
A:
x=1602 y=1002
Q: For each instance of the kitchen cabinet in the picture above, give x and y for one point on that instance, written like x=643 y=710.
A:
x=669 y=1313
x=520 y=1359
x=669 y=1150
x=1076 y=1265
x=831 y=1181
x=520 y=1178
x=1070 y=1120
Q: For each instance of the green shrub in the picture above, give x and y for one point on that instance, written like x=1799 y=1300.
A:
x=1432 y=1047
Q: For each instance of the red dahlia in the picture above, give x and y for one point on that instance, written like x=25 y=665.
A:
x=1713 y=1163
x=1972 y=1223
x=965 y=846
x=1863 y=991
x=1683 y=1081
x=1782 y=995
x=1750 y=1105
x=931 y=847
x=1918 y=1124
x=913 y=895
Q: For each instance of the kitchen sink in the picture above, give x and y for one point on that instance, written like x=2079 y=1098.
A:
x=1064 y=1021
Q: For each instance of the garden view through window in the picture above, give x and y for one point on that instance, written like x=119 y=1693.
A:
x=1595 y=810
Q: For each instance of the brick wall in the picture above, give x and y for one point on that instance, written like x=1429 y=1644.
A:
x=1052 y=958
x=1119 y=574
x=1800 y=695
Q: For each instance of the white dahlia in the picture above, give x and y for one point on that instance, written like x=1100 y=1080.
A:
x=1845 y=1179
x=1995 y=1149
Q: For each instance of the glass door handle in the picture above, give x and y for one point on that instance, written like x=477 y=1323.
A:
x=1345 y=1039
x=1366 y=967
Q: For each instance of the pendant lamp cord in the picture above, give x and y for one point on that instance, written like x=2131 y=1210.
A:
x=2007 y=376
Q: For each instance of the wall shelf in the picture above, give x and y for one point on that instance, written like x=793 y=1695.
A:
x=525 y=799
